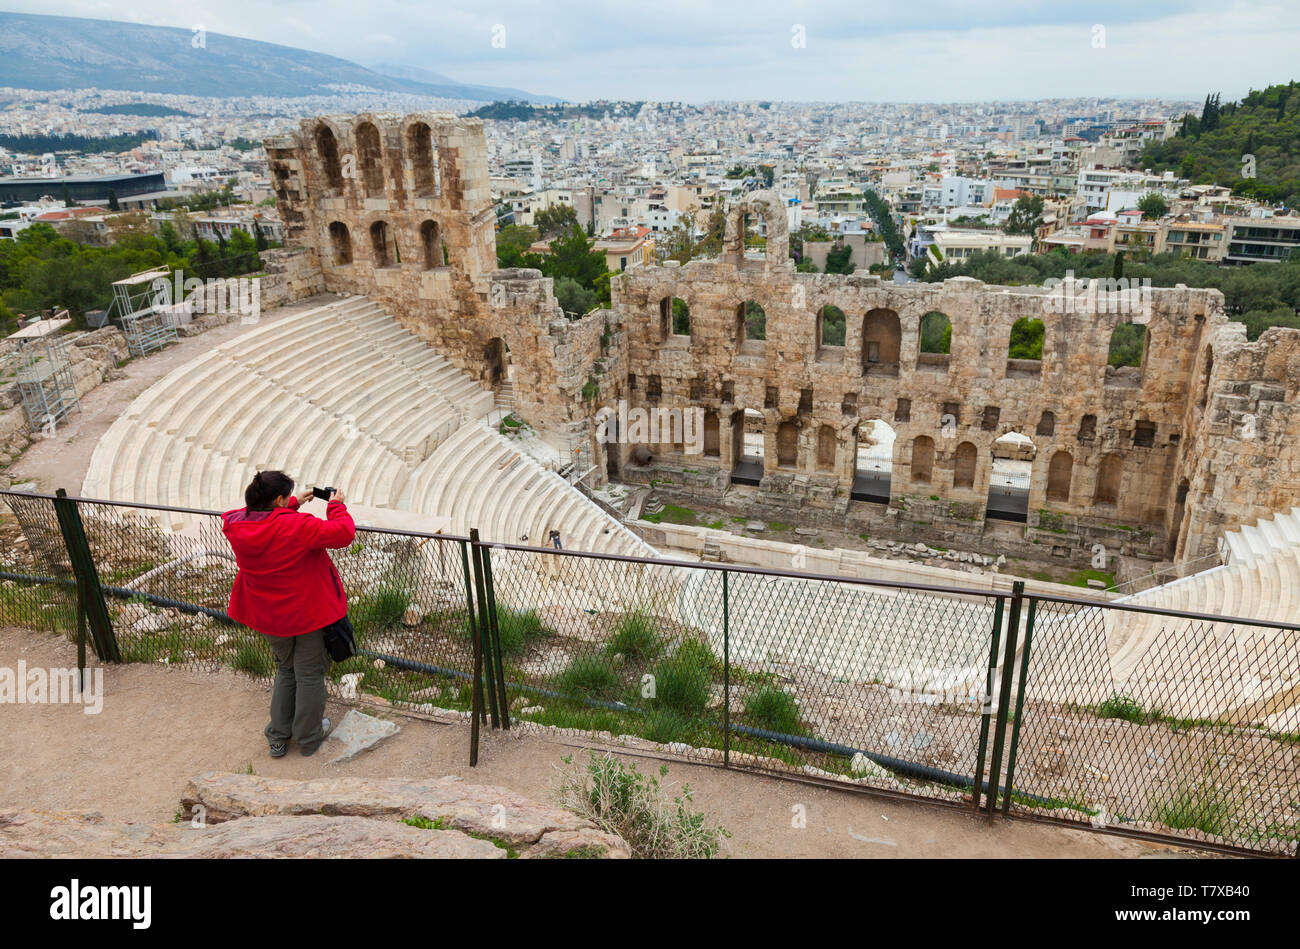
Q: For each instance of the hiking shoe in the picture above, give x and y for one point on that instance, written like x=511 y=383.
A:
x=325 y=728
x=279 y=749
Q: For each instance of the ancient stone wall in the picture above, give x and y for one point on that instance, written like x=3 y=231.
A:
x=398 y=208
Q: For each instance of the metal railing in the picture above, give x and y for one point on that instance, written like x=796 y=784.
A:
x=1164 y=724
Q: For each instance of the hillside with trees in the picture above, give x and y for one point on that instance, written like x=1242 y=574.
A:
x=1211 y=148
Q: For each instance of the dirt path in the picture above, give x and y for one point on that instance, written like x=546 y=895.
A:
x=62 y=461
x=160 y=726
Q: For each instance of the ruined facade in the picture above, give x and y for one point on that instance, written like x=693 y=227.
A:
x=1153 y=461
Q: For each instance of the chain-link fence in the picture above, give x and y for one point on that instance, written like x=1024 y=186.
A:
x=1170 y=725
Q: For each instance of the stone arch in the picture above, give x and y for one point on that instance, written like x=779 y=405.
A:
x=1046 y=424
x=383 y=249
x=1011 y=457
x=873 y=445
x=1109 y=477
x=712 y=435
x=496 y=357
x=882 y=338
x=922 y=459
x=787 y=444
x=935 y=332
x=771 y=207
x=827 y=443
x=751 y=323
x=832 y=326
x=964 y=463
x=370 y=158
x=327 y=147
x=340 y=243
x=1059 y=472
x=1126 y=355
x=431 y=245
x=426 y=179
x=674 y=317
x=1025 y=346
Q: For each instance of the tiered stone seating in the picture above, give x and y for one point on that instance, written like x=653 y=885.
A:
x=340 y=394
x=509 y=497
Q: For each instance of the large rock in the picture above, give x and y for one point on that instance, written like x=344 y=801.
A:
x=491 y=811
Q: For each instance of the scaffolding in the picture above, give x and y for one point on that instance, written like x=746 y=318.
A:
x=43 y=373
x=143 y=306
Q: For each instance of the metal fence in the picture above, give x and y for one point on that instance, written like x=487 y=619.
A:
x=1160 y=724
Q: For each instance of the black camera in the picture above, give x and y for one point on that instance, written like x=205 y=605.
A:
x=322 y=493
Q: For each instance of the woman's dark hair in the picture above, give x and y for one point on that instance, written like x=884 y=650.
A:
x=265 y=487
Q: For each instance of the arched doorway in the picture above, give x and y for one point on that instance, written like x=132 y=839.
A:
x=1180 y=509
x=341 y=242
x=496 y=357
x=1013 y=461
x=873 y=470
x=747 y=446
x=882 y=337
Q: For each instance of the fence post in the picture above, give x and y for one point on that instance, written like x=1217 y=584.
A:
x=726 y=673
x=494 y=632
x=484 y=629
x=1020 y=703
x=1004 y=697
x=476 y=689
x=90 y=598
x=988 y=698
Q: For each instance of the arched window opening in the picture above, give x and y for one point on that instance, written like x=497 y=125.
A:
x=936 y=341
x=963 y=470
x=327 y=147
x=922 y=459
x=826 y=446
x=424 y=160
x=882 y=338
x=1059 y=472
x=1109 y=476
x=341 y=243
x=431 y=242
x=370 y=160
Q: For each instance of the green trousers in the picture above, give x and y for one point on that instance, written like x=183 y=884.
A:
x=298 y=699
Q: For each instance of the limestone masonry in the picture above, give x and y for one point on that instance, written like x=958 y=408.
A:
x=1154 y=461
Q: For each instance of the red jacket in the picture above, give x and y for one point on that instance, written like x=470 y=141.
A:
x=287 y=584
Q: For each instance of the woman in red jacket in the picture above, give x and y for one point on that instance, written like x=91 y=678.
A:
x=288 y=590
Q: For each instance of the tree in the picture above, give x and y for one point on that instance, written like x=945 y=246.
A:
x=67 y=197
x=573 y=297
x=839 y=259
x=513 y=242
x=1153 y=206
x=112 y=201
x=556 y=219
x=1026 y=216
x=1118 y=271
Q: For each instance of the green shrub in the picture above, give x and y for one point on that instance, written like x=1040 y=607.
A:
x=620 y=800
x=636 y=637
x=588 y=676
x=682 y=680
x=774 y=710
x=1123 y=707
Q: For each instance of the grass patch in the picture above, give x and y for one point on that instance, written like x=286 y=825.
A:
x=672 y=514
x=253 y=658
x=1080 y=578
x=519 y=629
x=379 y=609
x=1195 y=807
x=588 y=676
x=682 y=681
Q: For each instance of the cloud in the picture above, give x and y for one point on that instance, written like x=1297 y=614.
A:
x=942 y=50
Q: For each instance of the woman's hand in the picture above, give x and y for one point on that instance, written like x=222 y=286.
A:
x=304 y=496
x=337 y=495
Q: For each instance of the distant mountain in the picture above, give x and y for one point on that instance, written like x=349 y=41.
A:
x=485 y=93
x=56 y=52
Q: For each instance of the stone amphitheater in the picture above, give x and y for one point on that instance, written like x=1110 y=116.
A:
x=396 y=387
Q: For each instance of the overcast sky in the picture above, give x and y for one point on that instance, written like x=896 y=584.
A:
x=696 y=50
